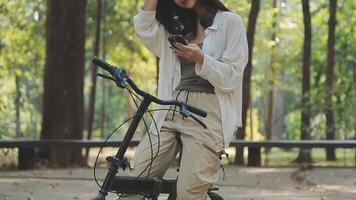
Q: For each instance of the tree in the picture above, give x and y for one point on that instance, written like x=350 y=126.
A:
x=93 y=75
x=246 y=97
x=330 y=124
x=123 y=49
x=270 y=101
x=103 y=115
x=304 y=154
x=18 y=106
x=63 y=78
x=21 y=65
x=271 y=73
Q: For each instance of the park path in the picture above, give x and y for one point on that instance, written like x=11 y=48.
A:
x=241 y=183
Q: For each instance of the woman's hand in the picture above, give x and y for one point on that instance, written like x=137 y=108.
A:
x=150 y=5
x=190 y=52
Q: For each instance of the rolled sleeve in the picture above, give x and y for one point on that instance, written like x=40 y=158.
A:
x=144 y=16
x=148 y=30
x=225 y=74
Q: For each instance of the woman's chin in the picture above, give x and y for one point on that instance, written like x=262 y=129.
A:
x=188 y=4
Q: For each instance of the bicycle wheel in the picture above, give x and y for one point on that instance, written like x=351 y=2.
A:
x=214 y=196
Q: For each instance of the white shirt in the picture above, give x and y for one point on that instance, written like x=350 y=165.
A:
x=225 y=57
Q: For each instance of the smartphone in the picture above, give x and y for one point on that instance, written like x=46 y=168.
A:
x=177 y=39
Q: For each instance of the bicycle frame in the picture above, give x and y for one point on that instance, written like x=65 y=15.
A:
x=119 y=161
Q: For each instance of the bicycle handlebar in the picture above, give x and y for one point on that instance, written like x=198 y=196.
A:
x=118 y=73
x=104 y=65
x=190 y=108
x=122 y=79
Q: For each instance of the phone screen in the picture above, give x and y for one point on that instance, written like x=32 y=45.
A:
x=175 y=39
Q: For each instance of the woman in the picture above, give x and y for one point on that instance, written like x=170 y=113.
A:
x=206 y=73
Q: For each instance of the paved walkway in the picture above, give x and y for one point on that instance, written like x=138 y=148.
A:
x=241 y=183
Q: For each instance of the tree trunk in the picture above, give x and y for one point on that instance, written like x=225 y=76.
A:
x=271 y=76
x=251 y=124
x=157 y=73
x=129 y=110
x=270 y=102
x=103 y=110
x=252 y=19
x=93 y=76
x=63 y=79
x=278 y=113
x=304 y=154
x=17 y=106
x=269 y=114
x=103 y=117
x=330 y=125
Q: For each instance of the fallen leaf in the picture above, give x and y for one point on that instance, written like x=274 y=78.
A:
x=52 y=185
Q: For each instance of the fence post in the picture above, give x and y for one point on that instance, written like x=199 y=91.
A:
x=254 y=156
x=26 y=158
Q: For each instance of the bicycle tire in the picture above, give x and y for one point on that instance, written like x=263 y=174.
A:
x=214 y=196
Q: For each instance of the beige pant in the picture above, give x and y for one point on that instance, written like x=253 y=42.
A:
x=201 y=147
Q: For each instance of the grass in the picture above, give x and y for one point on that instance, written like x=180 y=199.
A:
x=344 y=157
x=284 y=157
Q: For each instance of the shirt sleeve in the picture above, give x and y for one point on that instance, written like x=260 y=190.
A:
x=224 y=74
x=149 y=30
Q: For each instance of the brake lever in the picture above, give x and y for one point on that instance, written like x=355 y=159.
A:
x=199 y=121
x=185 y=113
x=105 y=77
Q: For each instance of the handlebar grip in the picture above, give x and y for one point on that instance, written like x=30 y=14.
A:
x=196 y=111
x=103 y=65
x=118 y=74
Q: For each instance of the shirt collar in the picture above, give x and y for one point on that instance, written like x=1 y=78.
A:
x=216 y=21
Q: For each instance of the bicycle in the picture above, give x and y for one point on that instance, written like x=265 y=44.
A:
x=150 y=187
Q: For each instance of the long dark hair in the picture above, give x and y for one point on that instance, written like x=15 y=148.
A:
x=178 y=20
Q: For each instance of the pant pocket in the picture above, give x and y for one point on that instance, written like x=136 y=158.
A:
x=208 y=165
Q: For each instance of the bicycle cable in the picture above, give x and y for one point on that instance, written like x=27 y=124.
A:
x=146 y=127
x=150 y=141
x=158 y=143
x=108 y=137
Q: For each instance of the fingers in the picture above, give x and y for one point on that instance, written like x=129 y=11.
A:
x=186 y=51
x=186 y=47
x=179 y=46
x=177 y=51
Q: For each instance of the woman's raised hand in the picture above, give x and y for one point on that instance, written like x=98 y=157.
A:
x=150 y=5
x=190 y=52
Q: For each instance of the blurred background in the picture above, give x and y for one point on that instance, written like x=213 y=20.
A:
x=303 y=63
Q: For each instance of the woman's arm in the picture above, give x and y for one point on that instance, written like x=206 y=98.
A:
x=224 y=74
x=147 y=28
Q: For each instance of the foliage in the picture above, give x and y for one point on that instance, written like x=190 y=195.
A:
x=121 y=48
x=21 y=55
x=288 y=63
